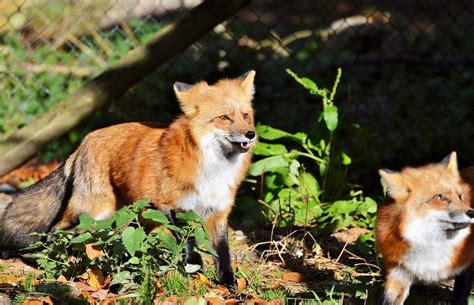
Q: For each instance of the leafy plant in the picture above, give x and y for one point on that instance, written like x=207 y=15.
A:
x=304 y=177
x=120 y=248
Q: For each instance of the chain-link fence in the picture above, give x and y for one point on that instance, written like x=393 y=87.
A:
x=407 y=86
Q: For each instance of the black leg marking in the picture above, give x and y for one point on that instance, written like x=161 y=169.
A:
x=191 y=256
x=462 y=287
x=223 y=261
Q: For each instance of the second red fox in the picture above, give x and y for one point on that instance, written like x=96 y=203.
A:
x=197 y=163
x=424 y=231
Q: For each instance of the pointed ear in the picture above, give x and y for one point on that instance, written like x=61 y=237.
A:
x=247 y=82
x=451 y=162
x=181 y=91
x=393 y=183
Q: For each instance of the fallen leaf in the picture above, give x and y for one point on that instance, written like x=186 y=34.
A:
x=273 y=285
x=32 y=303
x=221 y=290
x=47 y=300
x=215 y=300
x=241 y=284
x=256 y=301
x=232 y=301
x=62 y=279
x=275 y=302
x=100 y=294
x=204 y=279
x=96 y=277
x=293 y=277
x=84 y=287
x=93 y=251
x=88 y=297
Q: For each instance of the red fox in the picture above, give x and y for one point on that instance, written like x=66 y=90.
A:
x=424 y=231
x=197 y=163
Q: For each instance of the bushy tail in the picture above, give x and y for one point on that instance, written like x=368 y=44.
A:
x=35 y=209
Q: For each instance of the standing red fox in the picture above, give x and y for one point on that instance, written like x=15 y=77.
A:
x=197 y=164
x=424 y=232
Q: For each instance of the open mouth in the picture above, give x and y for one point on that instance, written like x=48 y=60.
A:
x=459 y=225
x=244 y=146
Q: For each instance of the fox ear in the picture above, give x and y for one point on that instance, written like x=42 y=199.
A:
x=393 y=183
x=451 y=162
x=181 y=91
x=247 y=82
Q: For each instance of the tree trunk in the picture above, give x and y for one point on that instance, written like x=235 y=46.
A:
x=115 y=81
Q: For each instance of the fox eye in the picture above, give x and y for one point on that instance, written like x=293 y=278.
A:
x=246 y=116
x=439 y=197
x=224 y=117
x=461 y=197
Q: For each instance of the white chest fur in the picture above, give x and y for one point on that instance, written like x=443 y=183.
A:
x=217 y=177
x=431 y=250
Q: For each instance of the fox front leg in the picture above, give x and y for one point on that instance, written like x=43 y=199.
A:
x=397 y=286
x=462 y=287
x=217 y=226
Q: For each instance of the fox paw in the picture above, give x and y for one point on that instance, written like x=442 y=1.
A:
x=227 y=278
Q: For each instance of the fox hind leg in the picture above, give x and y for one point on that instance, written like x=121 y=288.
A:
x=462 y=287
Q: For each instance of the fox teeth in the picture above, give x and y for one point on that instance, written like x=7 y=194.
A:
x=245 y=144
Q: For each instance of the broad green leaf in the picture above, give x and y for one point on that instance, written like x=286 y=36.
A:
x=187 y=216
x=104 y=224
x=132 y=239
x=121 y=278
x=155 y=215
x=140 y=204
x=81 y=238
x=267 y=164
x=169 y=241
x=202 y=239
x=330 y=117
x=134 y=260
x=123 y=217
x=266 y=149
x=371 y=205
x=309 y=185
x=269 y=133
x=85 y=221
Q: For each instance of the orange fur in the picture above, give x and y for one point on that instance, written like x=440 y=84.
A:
x=424 y=231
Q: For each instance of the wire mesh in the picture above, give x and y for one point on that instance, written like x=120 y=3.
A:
x=407 y=87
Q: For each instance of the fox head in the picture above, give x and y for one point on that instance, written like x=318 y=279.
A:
x=434 y=194
x=221 y=113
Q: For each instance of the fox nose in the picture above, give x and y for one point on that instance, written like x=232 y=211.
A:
x=470 y=213
x=250 y=135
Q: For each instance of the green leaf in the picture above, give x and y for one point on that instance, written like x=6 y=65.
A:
x=132 y=239
x=140 y=204
x=266 y=149
x=85 y=221
x=267 y=164
x=371 y=205
x=123 y=217
x=121 y=278
x=309 y=185
x=81 y=238
x=168 y=241
x=346 y=160
x=330 y=117
x=187 y=216
x=202 y=239
x=155 y=215
x=269 y=133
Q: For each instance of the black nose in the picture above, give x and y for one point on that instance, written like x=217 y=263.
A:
x=470 y=213
x=250 y=135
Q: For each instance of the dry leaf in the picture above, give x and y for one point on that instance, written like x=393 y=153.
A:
x=32 y=303
x=214 y=300
x=273 y=285
x=101 y=294
x=293 y=277
x=241 y=284
x=232 y=301
x=93 y=251
x=62 y=279
x=275 y=302
x=88 y=297
x=84 y=287
x=96 y=277
x=204 y=279
x=256 y=301
x=221 y=290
